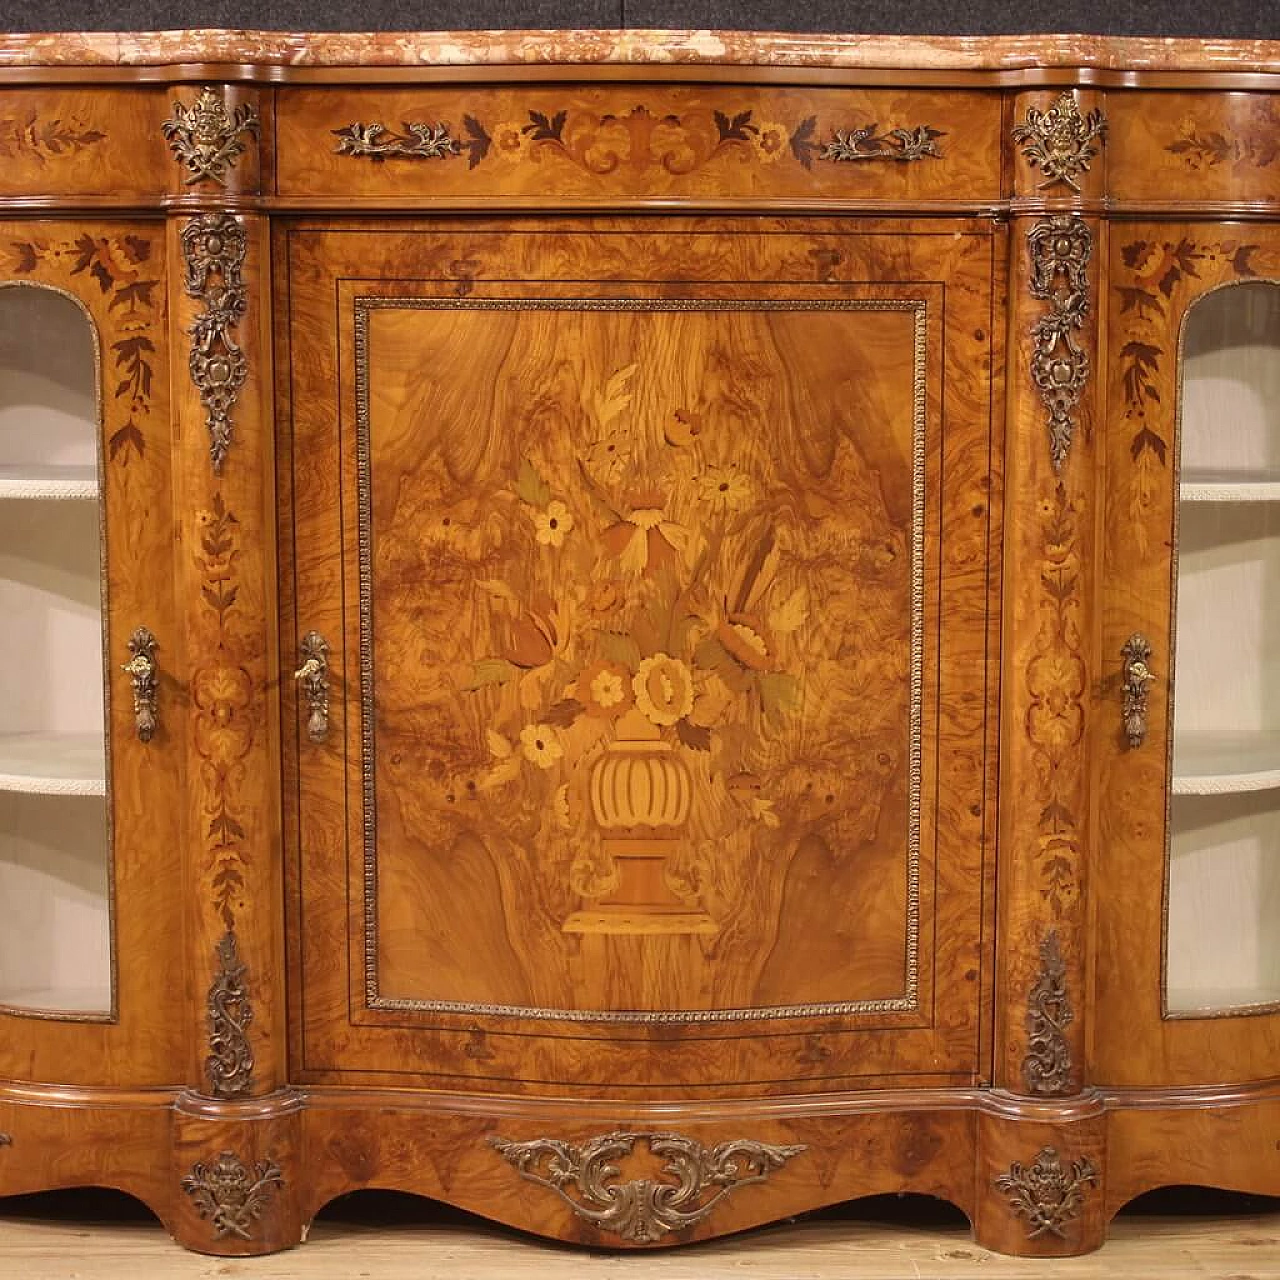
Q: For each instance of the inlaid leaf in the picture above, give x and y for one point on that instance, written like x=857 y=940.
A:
x=563 y=713
x=531 y=487
x=694 y=736
x=498 y=745
x=792 y=613
x=779 y=692
x=490 y=671
x=621 y=649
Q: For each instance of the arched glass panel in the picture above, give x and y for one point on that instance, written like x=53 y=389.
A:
x=55 y=866
x=1223 y=922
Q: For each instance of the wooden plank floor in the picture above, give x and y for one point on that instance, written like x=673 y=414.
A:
x=100 y=1236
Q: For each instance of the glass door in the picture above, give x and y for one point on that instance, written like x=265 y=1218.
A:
x=55 y=875
x=1222 y=936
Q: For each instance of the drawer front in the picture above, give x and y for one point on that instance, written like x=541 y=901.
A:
x=99 y=142
x=1187 y=147
x=573 y=143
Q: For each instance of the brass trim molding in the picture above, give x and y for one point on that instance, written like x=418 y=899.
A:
x=1061 y=247
x=206 y=137
x=1060 y=142
x=643 y=1210
x=229 y=1066
x=213 y=248
x=1046 y=1070
x=230 y=1195
x=908 y=1001
x=1046 y=1194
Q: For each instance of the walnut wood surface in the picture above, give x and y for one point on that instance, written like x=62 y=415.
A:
x=573 y=142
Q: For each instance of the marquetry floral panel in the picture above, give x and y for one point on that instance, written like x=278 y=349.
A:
x=642 y=596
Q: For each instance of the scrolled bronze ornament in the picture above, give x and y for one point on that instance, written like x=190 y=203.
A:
x=852 y=145
x=1046 y=1194
x=643 y=1210
x=1136 y=678
x=141 y=669
x=1060 y=142
x=1046 y=1070
x=207 y=138
x=213 y=249
x=420 y=140
x=230 y=1195
x=1061 y=247
x=229 y=1066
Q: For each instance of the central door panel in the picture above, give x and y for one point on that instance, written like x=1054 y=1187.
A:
x=650 y=758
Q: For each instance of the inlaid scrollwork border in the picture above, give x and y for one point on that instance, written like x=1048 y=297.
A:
x=364 y=305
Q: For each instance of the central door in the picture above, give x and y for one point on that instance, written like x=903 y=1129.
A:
x=645 y=740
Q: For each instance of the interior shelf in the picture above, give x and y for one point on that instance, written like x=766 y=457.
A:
x=1210 y=762
x=57 y=482
x=1230 y=485
x=90 y=1001
x=70 y=764
x=1210 y=1001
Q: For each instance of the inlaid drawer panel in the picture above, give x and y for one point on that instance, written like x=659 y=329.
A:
x=1188 y=147
x=581 y=143
x=100 y=142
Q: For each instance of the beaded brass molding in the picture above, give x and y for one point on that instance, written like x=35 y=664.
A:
x=141 y=668
x=909 y=999
x=1061 y=247
x=229 y=1066
x=644 y=1209
x=1060 y=142
x=1046 y=1194
x=230 y=1195
x=1046 y=1070
x=207 y=138
x=213 y=249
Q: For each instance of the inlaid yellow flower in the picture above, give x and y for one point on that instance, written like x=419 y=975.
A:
x=664 y=689
x=541 y=745
x=552 y=524
x=725 y=487
x=604 y=689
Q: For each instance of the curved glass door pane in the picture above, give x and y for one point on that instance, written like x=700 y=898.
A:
x=1223 y=919
x=55 y=867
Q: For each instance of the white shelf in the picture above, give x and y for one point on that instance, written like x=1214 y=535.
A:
x=57 y=764
x=87 y=1001
x=1193 y=1002
x=1230 y=486
x=48 y=482
x=1210 y=762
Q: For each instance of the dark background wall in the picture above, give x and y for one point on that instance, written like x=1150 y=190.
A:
x=1259 y=18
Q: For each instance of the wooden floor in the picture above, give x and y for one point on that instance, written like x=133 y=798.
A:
x=100 y=1236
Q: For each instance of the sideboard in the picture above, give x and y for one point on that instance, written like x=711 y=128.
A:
x=588 y=625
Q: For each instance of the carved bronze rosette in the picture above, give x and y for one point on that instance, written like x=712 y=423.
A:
x=229 y=1065
x=206 y=137
x=1136 y=680
x=1061 y=247
x=1046 y=1070
x=213 y=248
x=141 y=669
x=1060 y=142
x=1047 y=1195
x=644 y=1209
x=230 y=1195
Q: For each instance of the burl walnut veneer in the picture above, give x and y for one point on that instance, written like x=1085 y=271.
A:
x=656 y=559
